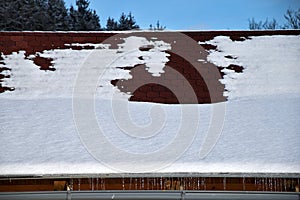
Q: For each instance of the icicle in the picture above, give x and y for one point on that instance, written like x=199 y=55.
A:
x=297 y=186
x=143 y=183
x=148 y=187
x=182 y=184
x=168 y=184
x=244 y=184
x=285 y=188
x=224 y=183
x=97 y=182
x=198 y=183
x=102 y=183
x=189 y=183
x=158 y=183
x=260 y=184
x=123 y=183
x=280 y=184
x=78 y=184
x=150 y=183
x=203 y=183
x=130 y=183
x=136 y=183
x=140 y=183
x=71 y=186
x=192 y=184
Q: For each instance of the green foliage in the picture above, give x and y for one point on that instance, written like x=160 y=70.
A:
x=83 y=19
x=126 y=22
x=111 y=24
x=58 y=15
x=52 y=15
x=46 y=15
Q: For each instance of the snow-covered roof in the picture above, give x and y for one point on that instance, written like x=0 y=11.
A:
x=74 y=121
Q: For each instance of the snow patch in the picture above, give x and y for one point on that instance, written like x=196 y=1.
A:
x=154 y=59
x=270 y=65
x=32 y=83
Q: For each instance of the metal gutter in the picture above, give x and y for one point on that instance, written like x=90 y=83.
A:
x=128 y=175
x=147 y=195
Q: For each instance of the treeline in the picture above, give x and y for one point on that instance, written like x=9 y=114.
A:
x=52 y=15
x=292 y=18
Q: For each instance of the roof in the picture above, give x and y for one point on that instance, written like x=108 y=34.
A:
x=73 y=120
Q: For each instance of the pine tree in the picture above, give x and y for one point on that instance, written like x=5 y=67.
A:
x=28 y=9
x=131 y=22
x=122 y=26
x=46 y=15
x=19 y=15
x=111 y=24
x=73 y=19
x=40 y=17
x=127 y=22
x=9 y=13
x=84 y=19
x=58 y=15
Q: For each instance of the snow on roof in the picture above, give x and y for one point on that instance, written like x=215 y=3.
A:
x=259 y=132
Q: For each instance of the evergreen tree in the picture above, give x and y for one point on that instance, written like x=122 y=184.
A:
x=28 y=9
x=111 y=24
x=122 y=26
x=9 y=15
x=73 y=18
x=131 y=22
x=57 y=13
x=40 y=16
x=127 y=22
x=84 y=19
x=46 y=15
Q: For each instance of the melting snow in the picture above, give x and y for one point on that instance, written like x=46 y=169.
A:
x=271 y=65
x=260 y=131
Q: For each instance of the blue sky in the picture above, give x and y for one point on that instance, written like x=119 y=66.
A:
x=193 y=14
